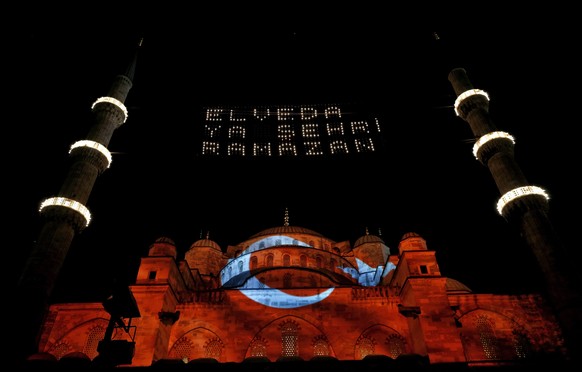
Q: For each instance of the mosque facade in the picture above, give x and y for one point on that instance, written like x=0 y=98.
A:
x=290 y=293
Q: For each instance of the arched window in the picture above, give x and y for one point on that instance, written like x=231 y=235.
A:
x=395 y=345
x=95 y=335
x=181 y=349
x=295 y=242
x=303 y=260
x=487 y=337
x=213 y=348
x=269 y=260
x=258 y=347
x=319 y=262
x=365 y=346
x=286 y=260
x=332 y=264
x=278 y=242
x=261 y=245
x=240 y=267
x=289 y=338
x=254 y=262
x=320 y=346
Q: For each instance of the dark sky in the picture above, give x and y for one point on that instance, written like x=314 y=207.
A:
x=425 y=178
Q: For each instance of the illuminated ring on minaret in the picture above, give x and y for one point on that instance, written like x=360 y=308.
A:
x=488 y=137
x=113 y=101
x=94 y=145
x=68 y=203
x=518 y=192
x=466 y=94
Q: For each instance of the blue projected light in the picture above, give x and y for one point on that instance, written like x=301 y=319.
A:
x=237 y=274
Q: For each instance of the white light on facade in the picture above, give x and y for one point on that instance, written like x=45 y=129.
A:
x=517 y=193
x=94 y=145
x=68 y=203
x=467 y=94
x=488 y=137
x=113 y=101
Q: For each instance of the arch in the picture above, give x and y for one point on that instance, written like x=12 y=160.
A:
x=197 y=343
x=380 y=339
x=77 y=339
x=490 y=335
x=289 y=336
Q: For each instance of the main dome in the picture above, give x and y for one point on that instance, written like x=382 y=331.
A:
x=286 y=230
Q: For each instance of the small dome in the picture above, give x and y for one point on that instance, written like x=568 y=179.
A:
x=163 y=247
x=206 y=243
x=410 y=235
x=166 y=240
x=281 y=230
x=368 y=239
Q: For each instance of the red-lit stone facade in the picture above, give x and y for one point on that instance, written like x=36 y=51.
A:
x=289 y=292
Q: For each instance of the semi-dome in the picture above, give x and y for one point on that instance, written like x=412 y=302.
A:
x=456 y=286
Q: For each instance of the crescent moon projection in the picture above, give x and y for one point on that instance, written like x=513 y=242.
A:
x=273 y=297
x=237 y=274
x=260 y=292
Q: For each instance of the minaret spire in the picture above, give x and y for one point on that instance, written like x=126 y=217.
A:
x=286 y=219
x=66 y=214
x=522 y=204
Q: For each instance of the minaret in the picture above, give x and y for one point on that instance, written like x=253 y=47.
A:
x=66 y=214
x=523 y=205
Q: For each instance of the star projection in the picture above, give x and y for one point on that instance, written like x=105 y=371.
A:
x=288 y=131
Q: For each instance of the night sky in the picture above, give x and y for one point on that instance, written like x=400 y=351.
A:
x=424 y=177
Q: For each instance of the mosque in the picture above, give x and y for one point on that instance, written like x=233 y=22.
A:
x=288 y=293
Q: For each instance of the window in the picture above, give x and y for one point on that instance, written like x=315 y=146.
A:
x=254 y=262
x=286 y=260
x=423 y=269
x=320 y=346
x=487 y=337
x=395 y=345
x=181 y=349
x=269 y=260
x=95 y=335
x=319 y=262
x=258 y=347
x=289 y=339
x=332 y=264
x=152 y=275
x=213 y=348
x=303 y=260
x=365 y=346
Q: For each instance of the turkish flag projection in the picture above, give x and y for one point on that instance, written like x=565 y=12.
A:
x=292 y=284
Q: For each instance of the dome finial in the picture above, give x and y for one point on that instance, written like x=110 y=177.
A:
x=286 y=220
x=367 y=232
x=208 y=234
x=379 y=231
